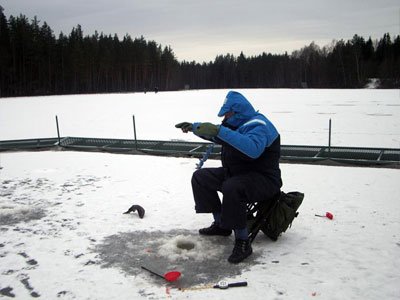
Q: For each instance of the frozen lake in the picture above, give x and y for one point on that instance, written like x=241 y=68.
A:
x=360 y=118
x=63 y=234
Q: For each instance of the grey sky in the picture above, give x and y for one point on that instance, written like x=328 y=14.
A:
x=201 y=29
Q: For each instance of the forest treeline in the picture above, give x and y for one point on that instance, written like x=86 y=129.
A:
x=33 y=61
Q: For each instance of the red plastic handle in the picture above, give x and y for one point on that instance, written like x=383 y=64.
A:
x=329 y=215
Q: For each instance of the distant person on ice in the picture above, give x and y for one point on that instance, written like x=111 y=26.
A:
x=250 y=170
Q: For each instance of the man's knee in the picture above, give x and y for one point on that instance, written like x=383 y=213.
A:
x=197 y=177
x=231 y=186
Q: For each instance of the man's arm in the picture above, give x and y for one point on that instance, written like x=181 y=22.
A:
x=252 y=141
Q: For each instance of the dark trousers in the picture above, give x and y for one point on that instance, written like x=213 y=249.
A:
x=237 y=191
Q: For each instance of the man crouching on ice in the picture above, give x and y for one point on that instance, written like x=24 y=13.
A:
x=249 y=173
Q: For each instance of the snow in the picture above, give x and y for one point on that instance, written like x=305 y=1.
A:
x=63 y=234
x=373 y=83
x=359 y=117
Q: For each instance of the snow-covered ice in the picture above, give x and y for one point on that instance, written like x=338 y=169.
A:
x=63 y=234
x=360 y=118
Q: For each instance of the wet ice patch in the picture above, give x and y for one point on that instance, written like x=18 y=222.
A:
x=27 y=199
x=10 y=215
x=205 y=261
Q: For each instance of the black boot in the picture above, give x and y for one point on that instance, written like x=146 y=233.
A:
x=214 y=229
x=241 y=250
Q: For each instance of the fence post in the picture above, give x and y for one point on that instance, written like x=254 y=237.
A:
x=58 y=131
x=330 y=133
x=134 y=130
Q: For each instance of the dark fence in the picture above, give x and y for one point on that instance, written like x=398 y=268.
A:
x=385 y=157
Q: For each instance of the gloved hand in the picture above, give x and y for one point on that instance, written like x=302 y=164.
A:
x=185 y=126
x=206 y=129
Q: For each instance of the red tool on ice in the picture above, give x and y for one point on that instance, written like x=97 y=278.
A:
x=328 y=215
x=169 y=276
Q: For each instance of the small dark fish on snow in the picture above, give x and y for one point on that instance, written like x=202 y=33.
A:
x=137 y=208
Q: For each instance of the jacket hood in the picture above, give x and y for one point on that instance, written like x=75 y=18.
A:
x=237 y=103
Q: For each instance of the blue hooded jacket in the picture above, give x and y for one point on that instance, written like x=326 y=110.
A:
x=254 y=131
x=247 y=130
x=250 y=141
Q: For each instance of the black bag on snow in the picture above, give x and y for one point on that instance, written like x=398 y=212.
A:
x=282 y=214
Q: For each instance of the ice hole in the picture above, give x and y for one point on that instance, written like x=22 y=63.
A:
x=185 y=244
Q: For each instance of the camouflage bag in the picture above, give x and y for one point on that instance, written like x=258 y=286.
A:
x=282 y=215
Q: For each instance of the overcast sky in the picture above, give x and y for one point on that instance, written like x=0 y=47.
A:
x=202 y=29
